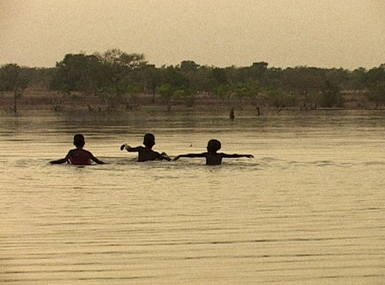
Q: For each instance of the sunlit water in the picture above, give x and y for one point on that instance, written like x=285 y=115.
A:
x=308 y=209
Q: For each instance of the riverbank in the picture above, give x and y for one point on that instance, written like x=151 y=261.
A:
x=42 y=99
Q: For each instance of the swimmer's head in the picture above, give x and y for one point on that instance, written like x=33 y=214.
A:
x=149 y=140
x=79 y=140
x=213 y=145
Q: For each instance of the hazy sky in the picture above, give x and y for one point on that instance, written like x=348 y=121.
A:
x=284 y=33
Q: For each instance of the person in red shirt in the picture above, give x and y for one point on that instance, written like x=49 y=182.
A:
x=78 y=156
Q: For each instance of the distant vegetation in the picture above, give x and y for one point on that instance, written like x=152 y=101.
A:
x=117 y=78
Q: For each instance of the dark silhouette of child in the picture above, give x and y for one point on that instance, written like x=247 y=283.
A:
x=146 y=153
x=78 y=156
x=212 y=156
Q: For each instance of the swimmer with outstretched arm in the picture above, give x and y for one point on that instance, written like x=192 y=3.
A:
x=213 y=157
x=78 y=156
x=146 y=153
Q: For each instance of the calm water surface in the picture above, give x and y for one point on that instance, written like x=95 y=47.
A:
x=308 y=209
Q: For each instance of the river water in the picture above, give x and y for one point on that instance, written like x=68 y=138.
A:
x=308 y=209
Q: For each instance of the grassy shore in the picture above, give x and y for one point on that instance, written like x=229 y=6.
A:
x=42 y=99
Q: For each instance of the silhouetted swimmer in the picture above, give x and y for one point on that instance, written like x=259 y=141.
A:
x=78 y=156
x=212 y=156
x=146 y=153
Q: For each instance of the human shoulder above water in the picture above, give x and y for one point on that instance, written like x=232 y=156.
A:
x=145 y=153
x=78 y=156
x=213 y=157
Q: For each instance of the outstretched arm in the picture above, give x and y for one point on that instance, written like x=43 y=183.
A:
x=62 y=160
x=59 y=161
x=129 y=148
x=237 y=155
x=95 y=159
x=164 y=156
x=191 y=155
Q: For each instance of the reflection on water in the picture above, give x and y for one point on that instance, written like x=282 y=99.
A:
x=309 y=209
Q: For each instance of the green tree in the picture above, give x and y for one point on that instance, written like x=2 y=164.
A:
x=166 y=91
x=244 y=91
x=219 y=75
x=198 y=77
x=77 y=72
x=152 y=79
x=188 y=66
x=259 y=70
x=273 y=78
x=120 y=58
x=133 y=90
x=330 y=93
x=224 y=92
x=38 y=77
x=174 y=77
x=357 y=79
x=375 y=82
x=202 y=80
x=12 y=79
x=304 y=82
x=280 y=99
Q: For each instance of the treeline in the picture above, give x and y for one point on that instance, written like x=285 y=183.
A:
x=119 y=78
